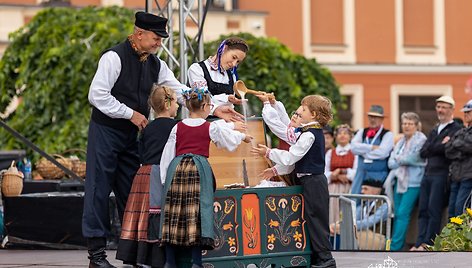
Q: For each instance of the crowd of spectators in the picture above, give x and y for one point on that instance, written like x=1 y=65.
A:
x=431 y=171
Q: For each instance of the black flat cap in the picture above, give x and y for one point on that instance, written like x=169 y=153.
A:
x=151 y=22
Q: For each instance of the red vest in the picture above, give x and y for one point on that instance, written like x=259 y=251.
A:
x=194 y=140
x=338 y=161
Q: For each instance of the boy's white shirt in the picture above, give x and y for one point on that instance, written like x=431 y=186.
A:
x=287 y=159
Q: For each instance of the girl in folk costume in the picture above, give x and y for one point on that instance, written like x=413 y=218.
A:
x=187 y=218
x=306 y=157
x=138 y=239
x=340 y=169
x=218 y=72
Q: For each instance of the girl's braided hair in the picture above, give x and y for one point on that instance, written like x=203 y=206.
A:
x=196 y=97
x=160 y=95
x=231 y=43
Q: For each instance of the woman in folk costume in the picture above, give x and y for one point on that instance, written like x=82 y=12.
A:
x=187 y=218
x=138 y=241
x=340 y=168
x=218 y=72
x=407 y=167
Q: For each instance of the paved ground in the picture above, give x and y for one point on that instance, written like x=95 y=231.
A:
x=77 y=258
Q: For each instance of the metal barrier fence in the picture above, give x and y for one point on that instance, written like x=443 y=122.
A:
x=360 y=222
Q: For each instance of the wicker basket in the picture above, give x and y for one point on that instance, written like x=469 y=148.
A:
x=12 y=181
x=12 y=184
x=48 y=170
x=78 y=165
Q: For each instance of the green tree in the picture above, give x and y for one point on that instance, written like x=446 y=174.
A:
x=51 y=62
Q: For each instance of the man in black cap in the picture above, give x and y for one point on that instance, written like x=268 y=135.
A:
x=119 y=93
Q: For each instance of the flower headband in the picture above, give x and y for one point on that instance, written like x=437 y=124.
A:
x=187 y=94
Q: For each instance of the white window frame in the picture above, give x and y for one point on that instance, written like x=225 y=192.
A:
x=412 y=90
x=345 y=53
x=417 y=55
x=356 y=91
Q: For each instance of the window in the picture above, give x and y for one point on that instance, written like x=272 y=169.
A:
x=424 y=106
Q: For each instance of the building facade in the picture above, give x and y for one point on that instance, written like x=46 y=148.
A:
x=401 y=54
x=222 y=18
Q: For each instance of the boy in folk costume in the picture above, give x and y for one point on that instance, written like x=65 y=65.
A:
x=187 y=204
x=306 y=157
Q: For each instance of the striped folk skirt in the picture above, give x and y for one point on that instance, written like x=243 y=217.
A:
x=134 y=246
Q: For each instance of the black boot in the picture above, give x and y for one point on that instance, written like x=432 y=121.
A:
x=97 y=255
x=323 y=260
x=98 y=259
x=331 y=263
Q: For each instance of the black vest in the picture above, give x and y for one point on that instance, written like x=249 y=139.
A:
x=214 y=87
x=314 y=160
x=132 y=87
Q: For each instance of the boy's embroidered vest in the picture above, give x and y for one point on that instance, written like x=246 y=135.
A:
x=314 y=160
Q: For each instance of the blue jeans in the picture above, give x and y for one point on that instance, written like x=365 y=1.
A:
x=404 y=204
x=460 y=190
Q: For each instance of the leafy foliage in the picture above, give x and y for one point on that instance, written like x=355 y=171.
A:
x=50 y=64
x=456 y=235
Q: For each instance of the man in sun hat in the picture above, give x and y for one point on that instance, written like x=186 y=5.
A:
x=433 y=190
x=373 y=146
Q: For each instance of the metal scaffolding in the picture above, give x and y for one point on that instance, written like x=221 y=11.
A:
x=190 y=48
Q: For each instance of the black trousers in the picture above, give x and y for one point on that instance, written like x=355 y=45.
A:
x=433 y=200
x=112 y=162
x=316 y=197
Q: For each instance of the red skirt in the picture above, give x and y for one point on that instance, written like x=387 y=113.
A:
x=134 y=246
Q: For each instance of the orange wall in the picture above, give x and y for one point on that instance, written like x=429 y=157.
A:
x=18 y=2
x=140 y=4
x=284 y=20
x=327 y=22
x=418 y=23
x=458 y=31
x=134 y=4
x=377 y=88
x=375 y=31
x=83 y=3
